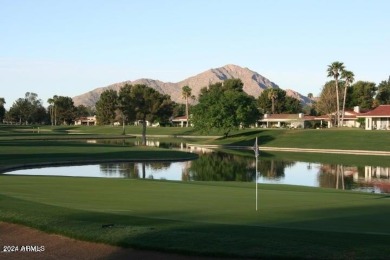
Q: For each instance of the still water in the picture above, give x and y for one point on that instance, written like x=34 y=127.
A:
x=223 y=166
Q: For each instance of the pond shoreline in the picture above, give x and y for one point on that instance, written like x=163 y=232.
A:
x=298 y=150
x=86 y=162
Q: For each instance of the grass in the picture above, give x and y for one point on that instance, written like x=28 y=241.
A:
x=203 y=218
x=345 y=138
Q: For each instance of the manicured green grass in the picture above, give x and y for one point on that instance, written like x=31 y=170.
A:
x=195 y=218
x=203 y=218
x=346 y=138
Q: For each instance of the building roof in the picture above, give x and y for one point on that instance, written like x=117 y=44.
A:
x=381 y=111
x=180 y=118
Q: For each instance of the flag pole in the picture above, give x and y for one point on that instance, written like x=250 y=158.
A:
x=256 y=155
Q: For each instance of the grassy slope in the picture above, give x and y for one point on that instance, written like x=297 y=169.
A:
x=320 y=139
x=183 y=217
x=357 y=139
x=203 y=218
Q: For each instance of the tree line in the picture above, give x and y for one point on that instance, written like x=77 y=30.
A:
x=223 y=106
x=340 y=94
x=30 y=110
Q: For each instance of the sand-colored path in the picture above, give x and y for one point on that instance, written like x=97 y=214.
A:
x=60 y=247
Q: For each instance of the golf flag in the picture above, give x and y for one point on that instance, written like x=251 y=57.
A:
x=256 y=148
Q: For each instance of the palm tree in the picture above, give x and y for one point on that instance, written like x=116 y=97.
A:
x=273 y=96
x=348 y=76
x=51 y=109
x=186 y=93
x=55 y=98
x=334 y=70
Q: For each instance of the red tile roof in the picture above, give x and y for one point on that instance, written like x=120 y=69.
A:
x=381 y=111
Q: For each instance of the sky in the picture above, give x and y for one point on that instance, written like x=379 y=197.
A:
x=70 y=47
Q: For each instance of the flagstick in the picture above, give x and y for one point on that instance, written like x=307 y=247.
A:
x=256 y=183
x=256 y=155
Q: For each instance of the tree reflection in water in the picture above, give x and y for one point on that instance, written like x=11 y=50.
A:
x=273 y=169
x=219 y=166
x=130 y=169
x=337 y=176
x=223 y=166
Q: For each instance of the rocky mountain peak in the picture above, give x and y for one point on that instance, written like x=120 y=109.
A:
x=254 y=84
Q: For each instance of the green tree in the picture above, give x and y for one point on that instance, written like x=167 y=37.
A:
x=179 y=110
x=106 y=107
x=2 y=109
x=334 y=70
x=282 y=103
x=224 y=107
x=53 y=109
x=383 y=95
x=27 y=110
x=125 y=105
x=142 y=103
x=83 y=111
x=273 y=96
x=361 y=94
x=64 y=110
x=50 y=101
x=186 y=93
x=348 y=77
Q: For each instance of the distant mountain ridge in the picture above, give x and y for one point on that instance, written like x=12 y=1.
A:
x=254 y=84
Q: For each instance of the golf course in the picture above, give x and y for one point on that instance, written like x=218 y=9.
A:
x=193 y=218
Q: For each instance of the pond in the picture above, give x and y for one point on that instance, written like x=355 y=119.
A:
x=215 y=165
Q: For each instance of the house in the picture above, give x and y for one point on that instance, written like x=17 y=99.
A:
x=88 y=120
x=179 y=121
x=350 y=118
x=379 y=118
x=286 y=120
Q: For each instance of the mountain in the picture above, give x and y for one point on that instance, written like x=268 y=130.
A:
x=254 y=84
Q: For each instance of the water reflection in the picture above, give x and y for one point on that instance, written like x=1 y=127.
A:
x=228 y=166
x=132 y=170
x=220 y=166
x=368 y=178
x=274 y=169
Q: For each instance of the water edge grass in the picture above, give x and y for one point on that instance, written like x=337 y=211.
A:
x=203 y=217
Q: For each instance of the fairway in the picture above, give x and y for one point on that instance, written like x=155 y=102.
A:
x=182 y=217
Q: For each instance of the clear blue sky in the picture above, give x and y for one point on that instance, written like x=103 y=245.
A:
x=70 y=47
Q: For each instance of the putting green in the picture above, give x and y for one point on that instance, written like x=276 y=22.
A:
x=209 y=202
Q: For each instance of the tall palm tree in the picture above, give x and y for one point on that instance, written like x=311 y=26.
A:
x=334 y=70
x=273 y=96
x=348 y=76
x=51 y=109
x=55 y=98
x=186 y=93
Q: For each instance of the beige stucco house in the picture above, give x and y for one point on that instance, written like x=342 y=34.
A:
x=286 y=120
x=379 y=118
x=350 y=118
x=88 y=120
